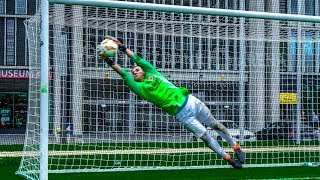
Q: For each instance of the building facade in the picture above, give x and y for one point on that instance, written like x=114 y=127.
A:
x=14 y=66
x=270 y=73
x=223 y=99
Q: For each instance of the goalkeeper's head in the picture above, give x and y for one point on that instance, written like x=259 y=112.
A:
x=138 y=74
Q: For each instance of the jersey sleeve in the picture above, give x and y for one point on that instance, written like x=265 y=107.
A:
x=144 y=64
x=130 y=82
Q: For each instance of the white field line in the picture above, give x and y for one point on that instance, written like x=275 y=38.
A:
x=155 y=151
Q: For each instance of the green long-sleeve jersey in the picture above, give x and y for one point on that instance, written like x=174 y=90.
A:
x=155 y=88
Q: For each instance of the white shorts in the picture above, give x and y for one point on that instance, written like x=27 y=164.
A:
x=193 y=114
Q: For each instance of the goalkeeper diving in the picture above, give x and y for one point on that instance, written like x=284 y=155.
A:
x=149 y=84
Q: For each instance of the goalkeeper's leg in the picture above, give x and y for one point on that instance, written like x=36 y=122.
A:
x=204 y=115
x=224 y=133
x=194 y=112
x=214 y=145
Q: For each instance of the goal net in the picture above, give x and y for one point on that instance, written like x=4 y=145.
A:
x=258 y=76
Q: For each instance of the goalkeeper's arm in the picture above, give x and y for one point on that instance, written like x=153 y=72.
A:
x=145 y=65
x=116 y=67
x=112 y=64
x=124 y=49
x=127 y=78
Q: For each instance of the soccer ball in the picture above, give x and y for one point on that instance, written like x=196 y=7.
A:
x=108 y=47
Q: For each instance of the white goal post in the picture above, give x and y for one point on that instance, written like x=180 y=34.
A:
x=254 y=70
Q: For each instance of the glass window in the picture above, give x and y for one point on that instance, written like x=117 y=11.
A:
x=247 y=5
x=10 y=7
x=21 y=7
x=283 y=56
x=308 y=52
x=292 y=62
x=13 y=111
x=294 y=7
x=309 y=7
x=283 y=6
x=10 y=43
x=2 y=22
x=2 y=7
x=318 y=10
x=318 y=50
x=21 y=46
x=32 y=6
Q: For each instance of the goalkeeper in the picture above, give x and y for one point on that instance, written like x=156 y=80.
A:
x=149 y=84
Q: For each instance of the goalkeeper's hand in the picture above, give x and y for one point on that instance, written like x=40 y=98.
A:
x=122 y=47
x=109 y=61
x=101 y=51
x=104 y=56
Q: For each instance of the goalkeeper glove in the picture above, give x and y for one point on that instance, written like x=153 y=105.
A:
x=122 y=47
x=109 y=61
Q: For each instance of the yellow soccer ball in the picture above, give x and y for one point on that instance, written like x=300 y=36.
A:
x=108 y=47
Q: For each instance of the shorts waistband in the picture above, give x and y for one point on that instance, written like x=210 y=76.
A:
x=183 y=105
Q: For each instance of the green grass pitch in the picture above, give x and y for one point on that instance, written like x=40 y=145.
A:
x=8 y=166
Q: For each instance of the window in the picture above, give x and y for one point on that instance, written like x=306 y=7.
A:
x=10 y=43
x=13 y=111
x=309 y=7
x=10 y=7
x=308 y=52
x=247 y=5
x=21 y=7
x=2 y=7
x=317 y=11
x=292 y=61
x=21 y=46
x=283 y=56
x=294 y=7
x=2 y=22
x=317 y=51
x=31 y=7
x=283 y=6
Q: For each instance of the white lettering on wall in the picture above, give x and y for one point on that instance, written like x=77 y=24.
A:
x=14 y=73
